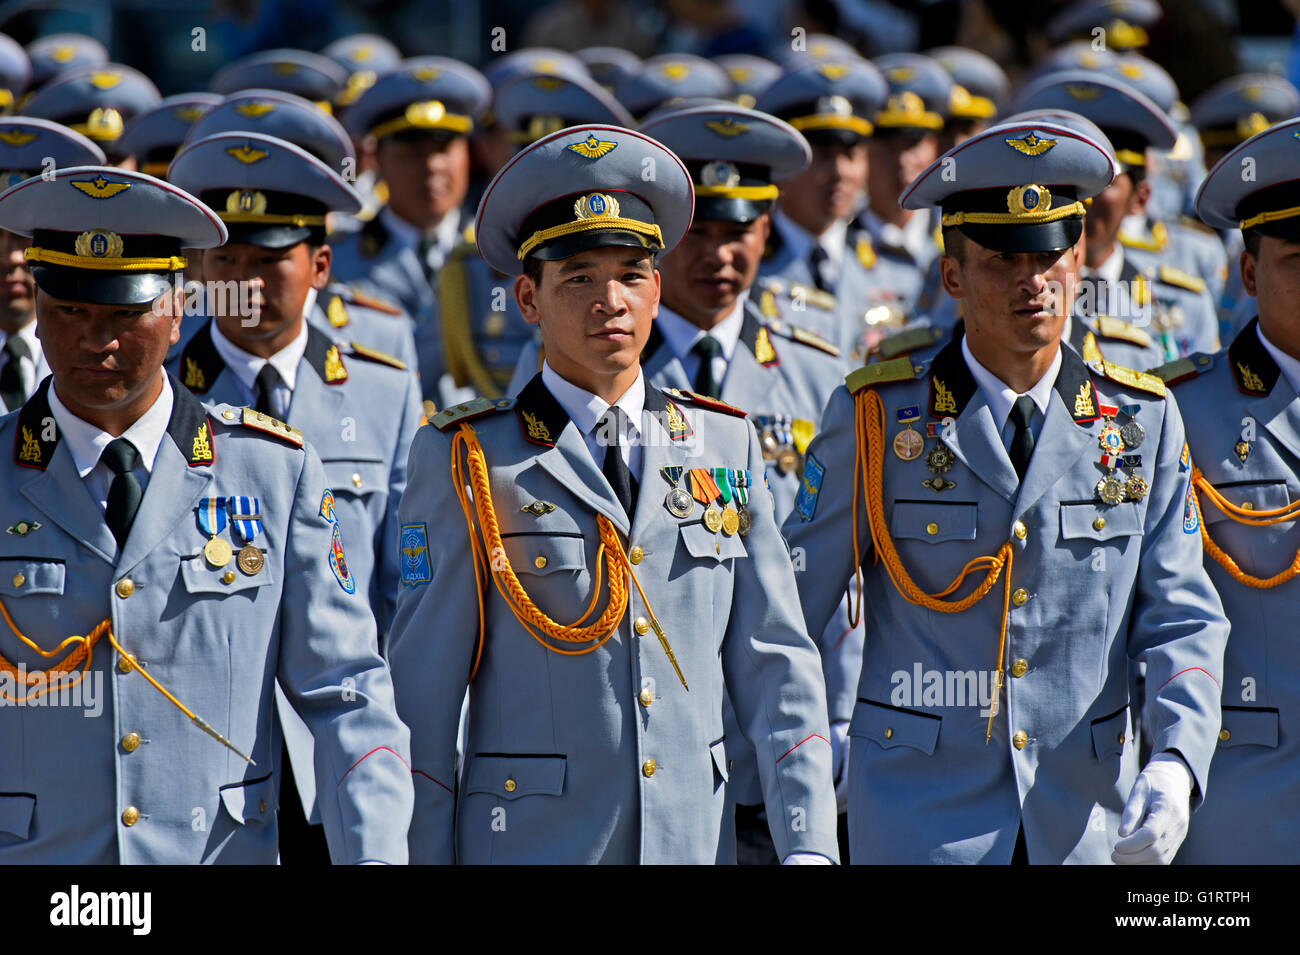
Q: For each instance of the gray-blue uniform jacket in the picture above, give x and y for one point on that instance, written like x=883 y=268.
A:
x=1251 y=813
x=140 y=783
x=1092 y=585
x=602 y=757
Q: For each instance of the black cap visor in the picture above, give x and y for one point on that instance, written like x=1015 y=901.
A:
x=1028 y=237
x=272 y=235
x=96 y=287
x=730 y=209
x=568 y=246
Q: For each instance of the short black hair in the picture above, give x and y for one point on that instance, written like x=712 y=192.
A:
x=1252 y=239
x=533 y=269
x=954 y=243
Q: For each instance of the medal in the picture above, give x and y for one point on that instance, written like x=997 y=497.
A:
x=1133 y=434
x=939 y=459
x=679 y=503
x=746 y=521
x=730 y=521
x=1136 y=487
x=217 y=552
x=908 y=443
x=246 y=519
x=713 y=518
x=1110 y=439
x=250 y=560
x=1110 y=489
x=1243 y=450
x=787 y=460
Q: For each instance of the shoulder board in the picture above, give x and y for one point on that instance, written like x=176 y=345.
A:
x=273 y=426
x=1172 y=276
x=1108 y=326
x=883 y=373
x=336 y=313
x=711 y=404
x=909 y=340
x=369 y=301
x=373 y=354
x=475 y=408
x=1130 y=241
x=812 y=295
x=1191 y=222
x=1184 y=369
x=1138 y=380
x=803 y=337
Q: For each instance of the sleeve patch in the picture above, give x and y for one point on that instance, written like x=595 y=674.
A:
x=414 y=544
x=809 y=486
x=339 y=563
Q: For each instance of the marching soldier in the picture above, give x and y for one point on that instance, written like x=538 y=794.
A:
x=309 y=75
x=1057 y=486
x=420 y=117
x=60 y=53
x=153 y=138
x=599 y=740
x=194 y=554
x=96 y=101
x=1245 y=466
x=26 y=145
x=669 y=77
x=980 y=88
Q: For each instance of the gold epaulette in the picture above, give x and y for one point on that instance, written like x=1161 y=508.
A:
x=1183 y=369
x=812 y=295
x=882 y=373
x=1191 y=222
x=1159 y=236
x=1177 y=277
x=273 y=426
x=369 y=301
x=1108 y=326
x=802 y=336
x=1140 y=380
x=909 y=340
x=474 y=408
x=374 y=354
x=710 y=404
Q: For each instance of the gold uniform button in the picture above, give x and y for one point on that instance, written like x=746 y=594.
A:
x=124 y=664
x=261 y=806
x=511 y=785
x=1020 y=668
x=540 y=562
x=1019 y=740
x=356 y=480
x=1020 y=596
x=228 y=415
x=889 y=732
x=641 y=626
x=1099 y=524
x=228 y=577
x=648 y=768
x=1224 y=735
x=1120 y=739
x=646 y=697
x=131 y=742
x=932 y=528
x=19 y=580
x=636 y=554
x=130 y=816
x=1248 y=506
x=1019 y=529
x=125 y=587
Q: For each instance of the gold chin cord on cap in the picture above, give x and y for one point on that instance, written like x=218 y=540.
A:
x=1272 y=216
x=1250 y=518
x=82 y=655
x=171 y=263
x=869 y=415
x=611 y=561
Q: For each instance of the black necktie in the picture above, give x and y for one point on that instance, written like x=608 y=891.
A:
x=1022 y=441
x=706 y=349
x=124 y=493
x=615 y=468
x=264 y=389
x=430 y=258
x=11 y=376
x=820 y=264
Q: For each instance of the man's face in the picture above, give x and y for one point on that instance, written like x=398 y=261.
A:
x=717 y=261
x=594 y=309
x=18 y=291
x=829 y=189
x=1014 y=302
x=278 y=283
x=1273 y=277
x=105 y=358
x=427 y=176
x=1106 y=214
x=896 y=160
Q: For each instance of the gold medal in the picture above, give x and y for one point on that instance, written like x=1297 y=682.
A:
x=1110 y=489
x=908 y=444
x=746 y=520
x=1242 y=448
x=218 y=552
x=787 y=459
x=250 y=560
x=1136 y=487
x=730 y=521
x=939 y=459
x=679 y=503
x=713 y=518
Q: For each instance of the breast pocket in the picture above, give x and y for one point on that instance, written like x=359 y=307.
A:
x=1249 y=726
x=201 y=577
x=252 y=801
x=1088 y=520
x=893 y=726
x=542 y=554
x=1248 y=495
x=703 y=543
x=29 y=576
x=16 y=811
x=356 y=477
x=934 y=522
x=514 y=777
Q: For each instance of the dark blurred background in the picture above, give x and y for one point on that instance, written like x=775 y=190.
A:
x=181 y=44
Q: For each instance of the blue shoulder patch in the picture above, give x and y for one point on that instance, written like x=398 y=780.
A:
x=813 y=474
x=1191 y=510
x=414 y=546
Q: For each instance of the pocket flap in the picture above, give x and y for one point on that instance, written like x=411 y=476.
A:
x=1249 y=726
x=704 y=543
x=718 y=751
x=510 y=777
x=1109 y=733
x=202 y=578
x=24 y=576
x=1252 y=495
x=1100 y=522
x=543 y=554
x=355 y=477
x=16 y=813
x=250 y=801
x=933 y=521
x=892 y=726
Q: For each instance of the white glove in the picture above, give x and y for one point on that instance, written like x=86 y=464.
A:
x=1160 y=802
x=840 y=763
x=806 y=858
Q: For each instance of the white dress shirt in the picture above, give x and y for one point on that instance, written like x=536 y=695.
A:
x=86 y=442
x=1000 y=398
x=800 y=241
x=445 y=235
x=1109 y=270
x=912 y=237
x=585 y=410
x=286 y=361
x=1290 y=366
x=31 y=370
x=681 y=335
